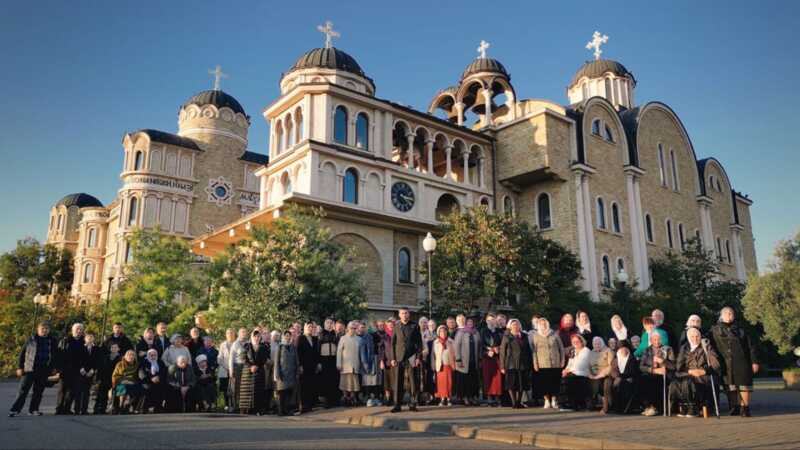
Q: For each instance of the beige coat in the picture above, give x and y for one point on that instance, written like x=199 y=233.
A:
x=548 y=351
x=442 y=356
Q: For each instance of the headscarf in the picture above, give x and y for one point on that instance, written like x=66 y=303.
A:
x=544 y=331
x=692 y=347
x=602 y=343
x=622 y=361
x=508 y=326
x=442 y=340
x=620 y=333
x=691 y=319
x=583 y=327
x=153 y=361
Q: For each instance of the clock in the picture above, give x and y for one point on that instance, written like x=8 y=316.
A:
x=402 y=196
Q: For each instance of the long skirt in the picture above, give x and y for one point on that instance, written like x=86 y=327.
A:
x=329 y=380
x=492 y=378
x=652 y=391
x=578 y=391
x=348 y=382
x=620 y=394
x=444 y=382
x=253 y=392
x=373 y=379
x=517 y=380
x=689 y=391
x=388 y=379
x=234 y=386
x=467 y=385
x=548 y=382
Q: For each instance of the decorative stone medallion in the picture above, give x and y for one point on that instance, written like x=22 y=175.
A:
x=220 y=191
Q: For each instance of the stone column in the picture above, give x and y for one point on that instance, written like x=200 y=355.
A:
x=429 y=151
x=707 y=231
x=410 y=139
x=460 y=110
x=644 y=277
x=481 y=172
x=738 y=260
x=448 y=153
x=465 y=155
x=633 y=213
x=583 y=249
x=487 y=102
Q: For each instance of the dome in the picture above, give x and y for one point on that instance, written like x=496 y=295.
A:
x=598 y=67
x=328 y=58
x=80 y=200
x=485 y=65
x=217 y=98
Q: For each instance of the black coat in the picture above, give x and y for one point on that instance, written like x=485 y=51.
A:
x=256 y=356
x=161 y=347
x=490 y=338
x=308 y=354
x=107 y=365
x=92 y=359
x=688 y=360
x=71 y=355
x=515 y=354
x=122 y=341
x=142 y=347
x=631 y=368
x=406 y=342
x=145 y=372
x=736 y=352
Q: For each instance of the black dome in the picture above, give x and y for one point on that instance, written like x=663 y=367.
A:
x=598 y=67
x=216 y=98
x=80 y=200
x=485 y=65
x=328 y=58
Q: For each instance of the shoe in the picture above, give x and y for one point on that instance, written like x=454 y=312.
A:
x=546 y=404
x=13 y=414
x=650 y=412
x=564 y=409
x=396 y=409
x=413 y=408
x=35 y=413
x=554 y=404
x=746 y=411
x=735 y=411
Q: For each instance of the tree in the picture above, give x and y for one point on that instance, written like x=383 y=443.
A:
x=159 y=283
x=773 y=299
x=291 y=271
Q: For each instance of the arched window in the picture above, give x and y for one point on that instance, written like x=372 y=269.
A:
x=278 y=137
x=508 y=205
x=289 y=132
x=620 y=265
x=674 y=165
x=91 y=239
x=711 y=182
x=648 y=228
x=128 y=253
x=670 y=243
x=404 y=265
x=601 y=214
x=609 y=92
x=607 y=134
x=340 y=125
x=286 y=183
x=719 y=249
x=362 y=131
x=606 y=272
x=133 y=211
x=350 y=186
x=682 y=237
x=88 y=273
x=485 y=202
x=543 y=218
x=298 y=124
x=616 y=223
x=728 y=251
x=138 y=160
x=447 y=204
x=585 y=90
x=60 y=221
x=719 y=186
x=662 y=171
x=596 y=127
x=52 y=221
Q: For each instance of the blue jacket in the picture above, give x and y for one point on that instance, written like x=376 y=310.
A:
x=366 y=348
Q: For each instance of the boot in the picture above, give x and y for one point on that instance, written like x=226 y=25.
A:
x=746 y=411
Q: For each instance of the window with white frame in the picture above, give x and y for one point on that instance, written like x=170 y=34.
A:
x=674 y=164
x=340 y=125
x=670 y=242
x=404 y=265
x=362 y=131
x=606 y=272
x=661 y=169
x=91 y=238
x=601 y=213
x=543 y=217
x=616 y=222
x=88 y=273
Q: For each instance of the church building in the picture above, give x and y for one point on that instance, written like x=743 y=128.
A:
x=614 y=181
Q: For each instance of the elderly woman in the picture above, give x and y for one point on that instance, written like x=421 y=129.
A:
x=371 y=382
x=694 y=321
x=584 y=326
x=177 y=349
x=236 y=367
x=182 y=381
x=692 y=385
x=286 y=372
x=650 y=328
x=515 y=362
x=125 y=381
x=619 y=332
x=206 y=388
x=253 y=395
x=600 y=359
x=491 y=338
x=548 y=359
x=566 y=328
x=620 y=386
x=348 y=362
x=468 y=350
x=656 y=364
x=444 y=362
x=224 y=371
x=153 y=374
x=739 y=361
x=576 y=374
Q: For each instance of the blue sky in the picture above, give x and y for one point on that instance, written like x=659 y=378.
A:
x=75 y=76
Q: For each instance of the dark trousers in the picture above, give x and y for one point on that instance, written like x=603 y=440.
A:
x=223 y=387
x=101 y=398
x=620 y=394
x=179 y=403
x=405 y=377
x=37 y=379
x=68 y=389
x=579 y=391
x=284 y=400
x=652 y=391
x=82 y=394
x=308 y=392
x=689 y=392
x=154 y=396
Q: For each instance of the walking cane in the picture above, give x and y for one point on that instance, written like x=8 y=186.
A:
x=665 y=405
x=704 y=345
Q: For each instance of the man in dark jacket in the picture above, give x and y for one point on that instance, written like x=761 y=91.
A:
x=329 y=378
x=308 y=354
x=118 y=337
x=404 y=359
x=92 y=359
x=71 y=351
x=108 y=360
x=162 y=340
x=36 y=363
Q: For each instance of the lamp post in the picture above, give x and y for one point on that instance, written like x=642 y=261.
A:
x=429 y=245
x=105 y=309
x=38 y=299
x=622 y=280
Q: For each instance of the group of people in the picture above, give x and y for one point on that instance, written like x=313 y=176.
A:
x=464 y=361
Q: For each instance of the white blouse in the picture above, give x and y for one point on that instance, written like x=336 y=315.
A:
x=581 y=363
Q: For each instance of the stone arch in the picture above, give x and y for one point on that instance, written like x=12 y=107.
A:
x=620 y=138
x=446 y=205
x=366 y=260
x=373 y=192
x=327 y=180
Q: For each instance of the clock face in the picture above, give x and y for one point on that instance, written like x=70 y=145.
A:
x=402 y=196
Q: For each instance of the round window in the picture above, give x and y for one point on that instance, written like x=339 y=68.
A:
x=220 y=191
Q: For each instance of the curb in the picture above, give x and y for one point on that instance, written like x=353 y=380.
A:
x=534 y=439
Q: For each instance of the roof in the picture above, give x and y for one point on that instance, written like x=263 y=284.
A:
x=328 y=58
x=630 y=122
x=169 y=138
x=598 y=67
x=485 y=65
x=217 y=98
x=253 y=157
x=80 y=199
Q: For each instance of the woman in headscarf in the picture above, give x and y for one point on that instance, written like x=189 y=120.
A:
x=125 y=382
x=620 y=386
x=515 y=362
x=468 y=349
x=177 y=349
x=584 y=326
x=548 y=359
x=253 y=391
x=153 y=374
x=619 y=332
x=348 y=362
x=697 y=362
x=182 y=382
x=566 y=328
x=656 y=364
x=739 y=361
x=206 y=383
x=443 y=363
x=577 y=373
x=491 y=338
x=600 y=359
x=285 y=372
x=694 y=321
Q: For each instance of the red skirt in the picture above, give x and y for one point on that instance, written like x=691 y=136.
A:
x=444 y=382
x=492 y=378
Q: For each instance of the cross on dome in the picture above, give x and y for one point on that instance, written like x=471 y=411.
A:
x=327 y=29
x=482 y=48
x=597 y=40
x=218 y=75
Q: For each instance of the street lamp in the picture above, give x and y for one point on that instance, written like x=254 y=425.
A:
x=38 y=299
x=622 y=279
x=429 y=245
x=105 y=309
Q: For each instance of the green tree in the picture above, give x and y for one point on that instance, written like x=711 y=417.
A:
x=160 y=282
x=291 y=271
x=772 y=300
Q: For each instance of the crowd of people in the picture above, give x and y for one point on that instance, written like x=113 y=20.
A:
x=489 y=360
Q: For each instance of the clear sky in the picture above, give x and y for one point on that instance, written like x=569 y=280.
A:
x=76 y=75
